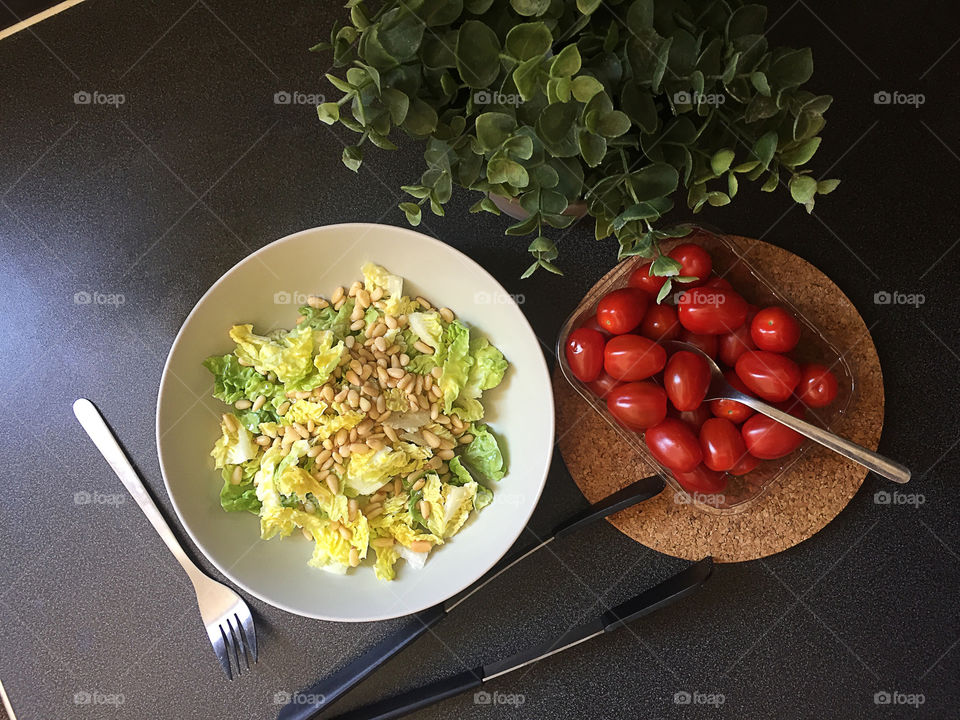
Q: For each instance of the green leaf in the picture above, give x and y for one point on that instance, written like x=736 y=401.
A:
x=732 y=185
x=613 y=124
x=648 y=54
x=765 y=148
x=530 y=8
x=493 y=128
x=665 y=266
x=656 y=180
x=717 y=198
x=541 y=244
x=759 y=81
x=504 y=170
x=640 y=106
x=550 y=267
x=642 y=211
x=566 y=63
x=558 y=90
x=721 y=160
x=800 y=154
x=593 y=148
x=396 y=103
x=519 y=146
x=772 y=181
x=747 y=20
x=588 y=6
x=412 y=211
x=530 y=270
x=524 y=227
x=418 y=191
x=525 y=77
x=478 y=54
x=585 y=87
x=791 y=69
x=640 y=15
x=381 y=141
x=329 y=112
x=664 y=290
x=421 y=119
x=745 y=167
x=527 y=40
x=825 y=187
x=352 y=157
x=341 y=85
x=803 y=188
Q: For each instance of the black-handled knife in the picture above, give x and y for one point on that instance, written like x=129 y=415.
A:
x=669 y=591
x=327 y=690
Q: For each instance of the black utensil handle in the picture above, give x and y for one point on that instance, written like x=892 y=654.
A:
x=326 y=691
x=635 y=492
x=400 y=705
x=671 y=590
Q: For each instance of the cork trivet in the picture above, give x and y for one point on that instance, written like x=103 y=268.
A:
x=800 y=502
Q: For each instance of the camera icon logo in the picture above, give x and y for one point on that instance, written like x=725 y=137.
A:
x=882 y=98
x=482 y=97
x=882 y=698
x=481 y=697
x=882 y=497
x=882 y=297
x=281 y=297
x=82 y=97
x=282 y=98
x=281 y=697
x=682 y=97
x=682 y=698
x=82 y=697
x=82 y=498
x=82 y=298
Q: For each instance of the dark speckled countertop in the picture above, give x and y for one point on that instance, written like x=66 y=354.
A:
x=154 y=199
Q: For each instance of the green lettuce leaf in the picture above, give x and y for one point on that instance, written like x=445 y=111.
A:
x=365 y=473
x=456 y=362
x=235 y=498
x=233 y=381
x=482 y=456
x=428 y=327
x=336 y=321
x=487 y=372
x=235 y=446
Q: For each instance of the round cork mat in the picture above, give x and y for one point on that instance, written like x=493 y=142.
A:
x=800 y=502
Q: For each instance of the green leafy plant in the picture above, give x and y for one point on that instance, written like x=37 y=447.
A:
x=617 y=105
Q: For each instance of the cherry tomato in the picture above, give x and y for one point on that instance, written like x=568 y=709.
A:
x=747 y=463
x=721 y=444
x=734 y=344
x=585 y=353
x=591 y=322
x=771 y=376
x=775 y=329
x=694 y=418
x=602 y=386
x=660 y=323
x=701 y=480
x=694 y=262
x=674 y=445
x=642 y=279
x=631 y=357
x=817 y=387
x=711 y=311
x=767 y=439
x=620 y=311
x=718 y=282
x=686 y=379
x=730 y=409
x=707 y=343
x=638 y=405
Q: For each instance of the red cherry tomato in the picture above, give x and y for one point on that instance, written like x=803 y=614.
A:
x=734 y=344
x=686 y=379
x=718 y=282
x=711 y=311
x=730 y=409
x=694 y=418
x=721 y=444
x=674 y=445
x=707 y=343
x=591 y=322
x=602 y=386
x=660 y=323
x=817 y=387
x=642 y=279
x=775 y=329
x=701 y=480
x=747 y=463
x=620 y=311
x=631 y=357
x=585 y=353
x=767 y=439
x=638 y=405
x=694 y=262
x=773 y=377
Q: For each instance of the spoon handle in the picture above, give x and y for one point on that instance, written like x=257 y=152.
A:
x=869 y=459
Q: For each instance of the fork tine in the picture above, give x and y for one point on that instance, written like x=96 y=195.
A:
x=219 y=643
x=232 y=642
x=249 y=631
x=240 y=642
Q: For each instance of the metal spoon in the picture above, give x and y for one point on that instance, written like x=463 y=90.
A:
x=720 y=389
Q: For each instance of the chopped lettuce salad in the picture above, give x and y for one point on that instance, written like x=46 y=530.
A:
x=362 y=426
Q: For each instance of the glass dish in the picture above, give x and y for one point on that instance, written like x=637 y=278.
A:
x=730 y=262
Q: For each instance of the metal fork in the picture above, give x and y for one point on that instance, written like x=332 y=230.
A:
x=226 y=616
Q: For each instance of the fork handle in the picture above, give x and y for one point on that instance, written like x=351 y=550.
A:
x=884 y=467
x=93 y=422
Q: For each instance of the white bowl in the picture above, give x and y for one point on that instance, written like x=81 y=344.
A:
x=265 y=289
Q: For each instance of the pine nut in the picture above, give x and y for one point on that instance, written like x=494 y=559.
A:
x=377 y=294
x=231 y=422
x=412 y=402
x=352 y=292
x=424 y=506
x=404 y=360
x=353 y=507
x=424 y=303
x=346 y=533
x=237 y=476
x=242 y=404
x=382 y=542
x=337 y=295
x=353 y=378
x=316 y=302
x=306 y=533
x=466 y=439
x=434 y=411
x=353 y=398
x=315 y=451
x=365 y=427
x=381 y=406
x=391 y=322
x=396 y=372
x=418 y=485
x=282 y=410
x=380 y=344
x=420 y=546
x=358 y=325
x=397 y=486
x=422 y=347
x=359 y=448
x=365 y=405
x=431 y=439
x=446 y=314
x=350 y=341
x=363 y=299
x=390 y=433
x=354 y=557
x=437 y=372
x=301 y=430
x=445 y=454
x=374 y=444
x=263 y=440
x=374 y=513
x=333 y=483
x=328 y=463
